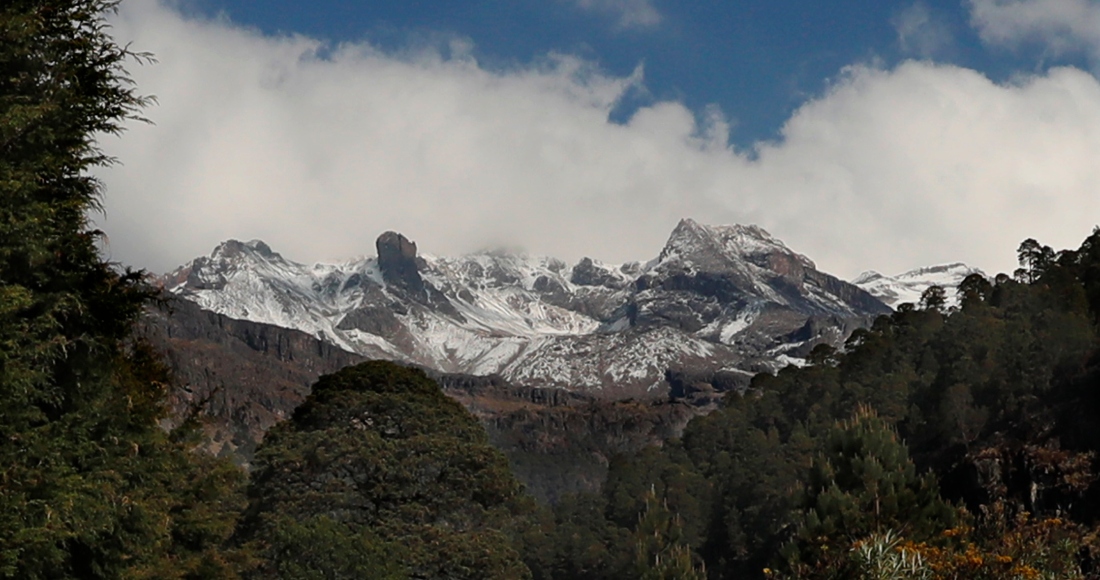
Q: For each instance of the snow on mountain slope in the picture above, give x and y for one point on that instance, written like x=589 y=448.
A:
x=723 y=247
x=350 y=304
x=627 y=362
x=716 y=297
x=909 y=286
x=745 y=263
x=503 y=293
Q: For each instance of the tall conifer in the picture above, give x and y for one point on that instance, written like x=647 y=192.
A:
x=90 y=487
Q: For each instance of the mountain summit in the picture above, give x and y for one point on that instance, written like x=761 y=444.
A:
x=719 y=247
x=717 y=298
x=745 y=267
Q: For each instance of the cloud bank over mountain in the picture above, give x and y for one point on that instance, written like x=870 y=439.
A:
x=316 y=149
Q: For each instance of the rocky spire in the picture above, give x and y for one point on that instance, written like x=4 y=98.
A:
x=397 y=261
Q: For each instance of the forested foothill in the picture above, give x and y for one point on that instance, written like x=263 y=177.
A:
x=942 y=442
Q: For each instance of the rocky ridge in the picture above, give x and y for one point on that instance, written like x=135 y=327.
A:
x=729 y=299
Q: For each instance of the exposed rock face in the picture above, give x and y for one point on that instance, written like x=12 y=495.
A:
x=732 y=264
x=243 y=376
x=739 y=286
x=717 y=297
x=589 y=273
x=397 y=261
x=704 y=389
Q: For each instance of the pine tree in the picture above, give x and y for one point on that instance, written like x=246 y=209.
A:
x=90 y=486
x=934 y=298
x=660 y=551
x=865 y=483
x=1034 y=259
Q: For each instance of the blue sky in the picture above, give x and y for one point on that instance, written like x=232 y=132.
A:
x=882 y=135
x=758 y=60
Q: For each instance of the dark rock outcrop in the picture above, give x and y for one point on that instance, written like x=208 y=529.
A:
x=400 y=267
x=397 y=261
x=588 y=273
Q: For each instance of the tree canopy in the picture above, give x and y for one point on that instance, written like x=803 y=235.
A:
x=380 y=458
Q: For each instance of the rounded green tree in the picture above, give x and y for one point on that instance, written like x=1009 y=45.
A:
x=398 y=477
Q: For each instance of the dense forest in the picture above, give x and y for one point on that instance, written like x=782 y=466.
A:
x=942 y=442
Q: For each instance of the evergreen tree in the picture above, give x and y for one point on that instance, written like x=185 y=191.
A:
x=90 y=486
x=667 y=474
x=1034 y=260
x=934 y=298
x=996 y=399
x=864 y=483
x=660 y=551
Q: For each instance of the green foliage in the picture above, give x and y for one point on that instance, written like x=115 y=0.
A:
x=561 y=449
x=660 y=551
x=864 y=483
x=380 y=475
x=91 y=486
x=321 y=548
x=754 y=475
x=582 y=544
x=387 y=460
x=663 y=475
x=1034 y=260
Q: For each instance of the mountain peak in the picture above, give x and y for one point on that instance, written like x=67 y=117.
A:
x=867 y=277
x=259 y=246
x=717 y=246
x=720 y=295
x=232 y=248
x=688 y=226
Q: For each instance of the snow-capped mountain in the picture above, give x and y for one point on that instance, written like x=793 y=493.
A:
x=909 y=286
x=717 y=297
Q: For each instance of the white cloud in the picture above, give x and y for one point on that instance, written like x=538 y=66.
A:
x=629 y=13
x=920 y=33
x=259 y=137
x=1062 y=25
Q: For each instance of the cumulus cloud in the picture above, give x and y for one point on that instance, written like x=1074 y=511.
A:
x=920 y=33
x=318 y=151
x=1061 y=25
x=629 y=13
